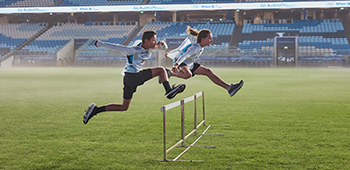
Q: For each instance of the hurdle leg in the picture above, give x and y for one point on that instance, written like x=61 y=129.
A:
x=195 y=114
x=164 y=136
x=203 y=107
x=183 y=123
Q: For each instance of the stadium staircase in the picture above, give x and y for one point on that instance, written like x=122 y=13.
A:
x=35 y=36
x=8 y=55
x=236 y=36
x=132 y=35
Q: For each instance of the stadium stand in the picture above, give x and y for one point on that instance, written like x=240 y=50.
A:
x=221 y=30
x=322 y=35
x=48 y=44
x=13 y=35
x=317 y=39
x=27 y=3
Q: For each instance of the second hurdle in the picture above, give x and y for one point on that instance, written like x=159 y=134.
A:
x=181 y=142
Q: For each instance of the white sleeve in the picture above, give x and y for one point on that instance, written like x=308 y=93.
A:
x=125 y=49
x=190 y=51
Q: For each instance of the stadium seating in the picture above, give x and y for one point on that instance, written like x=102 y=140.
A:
x=13 y=35
x=49 y=43
x=221 y=30
x=27 y=3
x=57 y=36
x=318 y=36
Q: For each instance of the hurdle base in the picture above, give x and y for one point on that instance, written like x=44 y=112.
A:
x=212 y=134
x=200 y=161
x=222 y=125
x=195 y=146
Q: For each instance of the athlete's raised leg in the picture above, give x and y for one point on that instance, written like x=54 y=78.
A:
x=201 y=70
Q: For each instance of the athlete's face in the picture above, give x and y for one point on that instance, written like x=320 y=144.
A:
x=152 y=43
x=207 y=41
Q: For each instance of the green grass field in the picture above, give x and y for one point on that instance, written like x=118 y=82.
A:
x=281 y=119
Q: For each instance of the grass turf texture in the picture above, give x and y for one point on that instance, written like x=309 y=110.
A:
x=280 y=119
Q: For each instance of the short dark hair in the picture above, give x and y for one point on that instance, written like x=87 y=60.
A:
x=147 y=35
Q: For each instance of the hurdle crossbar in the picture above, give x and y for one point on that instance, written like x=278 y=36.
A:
x=177 y=103
x=181 y=142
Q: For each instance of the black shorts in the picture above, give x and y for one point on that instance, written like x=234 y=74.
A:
x=195 y=67
x=132 y=80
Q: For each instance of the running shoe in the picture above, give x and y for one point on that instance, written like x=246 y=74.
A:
x=175 y=90
x=91 y=112
x=233 y=89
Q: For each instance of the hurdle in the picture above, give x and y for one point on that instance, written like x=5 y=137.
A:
x=181 y=142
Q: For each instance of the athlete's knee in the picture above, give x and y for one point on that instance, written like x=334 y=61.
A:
x=163 y=70
x=187 y=76
x=124 y=108
x=125 y=105
x=159 y=70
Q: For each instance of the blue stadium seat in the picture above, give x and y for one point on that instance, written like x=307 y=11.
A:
x=27 y=3
x=58 y=36
x=323 y=35
x=221 y=30
x=13 y=35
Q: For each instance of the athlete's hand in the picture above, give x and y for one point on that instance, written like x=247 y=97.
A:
x=175 y=68
x=166 y=55
x=95 y=43
x=162 y=45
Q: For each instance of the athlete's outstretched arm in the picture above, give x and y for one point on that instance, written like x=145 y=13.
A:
x=125 y=49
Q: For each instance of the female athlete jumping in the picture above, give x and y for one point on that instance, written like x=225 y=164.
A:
x=185 y=65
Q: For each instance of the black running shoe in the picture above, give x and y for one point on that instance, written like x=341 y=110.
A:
x=91 y=111
x=168 y=74
x=233 y=89
x=175 y=90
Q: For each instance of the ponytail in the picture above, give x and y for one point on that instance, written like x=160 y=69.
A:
x=203 y=33
x=192 y=31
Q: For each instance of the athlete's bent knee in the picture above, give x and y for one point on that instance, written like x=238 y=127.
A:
x=157 y=71
x=187 y=76
x=124 y=108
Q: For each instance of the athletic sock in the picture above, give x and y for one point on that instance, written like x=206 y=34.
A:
x=100 y=109
x=166 y=86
